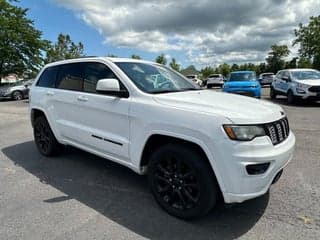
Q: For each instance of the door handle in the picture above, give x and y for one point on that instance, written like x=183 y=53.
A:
x=82 y=99
x=49 y=93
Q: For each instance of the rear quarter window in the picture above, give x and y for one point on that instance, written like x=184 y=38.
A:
x=48 y=77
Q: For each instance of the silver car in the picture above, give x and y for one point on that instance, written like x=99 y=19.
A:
x=15 y=91
x=215 y=80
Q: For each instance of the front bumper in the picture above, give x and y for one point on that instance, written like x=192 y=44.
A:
x=307 y=94
x=251 y=92
x=238 y=184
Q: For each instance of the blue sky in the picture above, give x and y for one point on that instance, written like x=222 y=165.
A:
x=202 y=32
x=52 y=19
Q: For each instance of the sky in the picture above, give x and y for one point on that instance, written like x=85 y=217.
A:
x=202 y=32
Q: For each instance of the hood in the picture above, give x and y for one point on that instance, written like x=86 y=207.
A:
x=238 y=109
x=311 y=82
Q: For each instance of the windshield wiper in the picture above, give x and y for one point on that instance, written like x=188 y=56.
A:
x=164 y=91
x=191 y=89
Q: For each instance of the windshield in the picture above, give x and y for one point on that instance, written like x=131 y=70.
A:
x=247 y=76
x=214 y=76
x=154 y=78
x=303 y=75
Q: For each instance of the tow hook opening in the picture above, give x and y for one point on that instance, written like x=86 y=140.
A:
x=256 y=169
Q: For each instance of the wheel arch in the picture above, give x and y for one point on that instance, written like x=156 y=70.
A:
x=17 y=90
x=156 y=140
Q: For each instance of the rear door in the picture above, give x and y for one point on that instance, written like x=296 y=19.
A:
x=65 y=103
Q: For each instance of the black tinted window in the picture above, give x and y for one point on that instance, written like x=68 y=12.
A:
x=93 y=72
x=70 y=77
x=48 y=77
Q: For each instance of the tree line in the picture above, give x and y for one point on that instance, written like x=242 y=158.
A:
x=23 y=50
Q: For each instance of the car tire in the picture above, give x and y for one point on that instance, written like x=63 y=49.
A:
x=44 y=138
x=273 y=93
x=17 y=96
x=209 y=86
x=290 y=97
x=182 y=182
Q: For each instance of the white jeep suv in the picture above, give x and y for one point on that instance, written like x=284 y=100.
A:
x=193 y=144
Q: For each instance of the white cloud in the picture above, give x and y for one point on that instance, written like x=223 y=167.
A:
x=209 y=31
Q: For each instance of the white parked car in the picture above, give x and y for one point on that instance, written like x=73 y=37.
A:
x=296 y=84
x=215 y=80
x=117 y=109
x=195 y=79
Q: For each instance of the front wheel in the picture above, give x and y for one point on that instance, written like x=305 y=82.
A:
x=181 y=181
x=290 y=97
x=17 y=95
x=273 y=93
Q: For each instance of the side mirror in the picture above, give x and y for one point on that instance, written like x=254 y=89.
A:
x=111 y=86
x=287 y=79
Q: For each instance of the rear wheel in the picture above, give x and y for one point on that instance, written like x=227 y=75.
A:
x=45 y=140
x=181 y=181
x=273 y=93
x=17 y=95
x=290 y=97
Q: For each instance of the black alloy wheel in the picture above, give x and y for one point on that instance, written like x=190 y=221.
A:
x=17 y=96
x=44 y=137
x=182 y=182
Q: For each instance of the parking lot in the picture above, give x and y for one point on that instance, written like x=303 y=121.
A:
x=77 y=195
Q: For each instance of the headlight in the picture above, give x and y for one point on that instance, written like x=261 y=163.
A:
x=244 y=133
x=302 y=85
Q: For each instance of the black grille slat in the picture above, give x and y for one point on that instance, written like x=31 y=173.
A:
x=278 y=131
x=314 y=89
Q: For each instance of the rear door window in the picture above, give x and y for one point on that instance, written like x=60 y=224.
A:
x=48 y=77
x=70 y=77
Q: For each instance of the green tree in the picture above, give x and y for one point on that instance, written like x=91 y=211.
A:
x=190 y=70
x=134 y=56
x=63 y=49
x=261 y=68
x=21 y=45
x=275 y=57
x=224 y=69
x=161 y=59
x=292 y=63
x=304 y=63
x=234 y=67
x=206 y=72
x=174 y=65
x=308 y=37
x=112 y=55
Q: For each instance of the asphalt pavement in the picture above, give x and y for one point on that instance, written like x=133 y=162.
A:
x=77 y=195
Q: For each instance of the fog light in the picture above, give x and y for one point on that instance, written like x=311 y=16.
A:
x=256 y=169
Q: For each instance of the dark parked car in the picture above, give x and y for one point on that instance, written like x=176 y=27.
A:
x=15 y=91
x=266 y=78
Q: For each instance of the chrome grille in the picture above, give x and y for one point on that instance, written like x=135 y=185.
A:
x=278 y=131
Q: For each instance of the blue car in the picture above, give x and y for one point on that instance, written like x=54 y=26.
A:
x=243 y=82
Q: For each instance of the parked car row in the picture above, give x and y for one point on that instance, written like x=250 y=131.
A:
x=293 y=83
x=15 y=91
